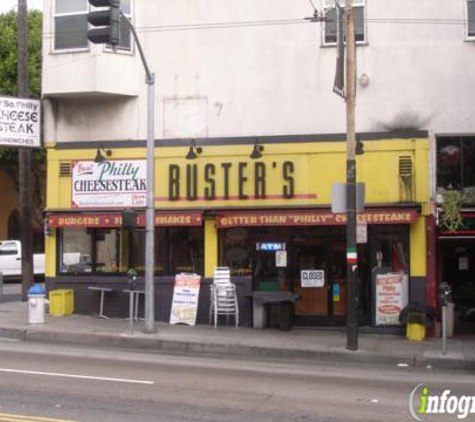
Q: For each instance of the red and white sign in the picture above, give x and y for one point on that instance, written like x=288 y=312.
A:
x=229 y=219
x=109 y=184
x=114 y=219
x=391 y=297
x=185 y=299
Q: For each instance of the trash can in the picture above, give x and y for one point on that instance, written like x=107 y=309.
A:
x=36 y=304
x=61 y=302
x=416 y=326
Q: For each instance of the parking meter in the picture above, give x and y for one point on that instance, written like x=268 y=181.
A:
x=445 y=297
x=131 y=278
x=445 y=293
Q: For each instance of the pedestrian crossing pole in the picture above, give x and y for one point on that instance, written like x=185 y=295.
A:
x=351 y=254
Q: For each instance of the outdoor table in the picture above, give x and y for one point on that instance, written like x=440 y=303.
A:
x=134 y=296
x=101 y=306
x=262 y=299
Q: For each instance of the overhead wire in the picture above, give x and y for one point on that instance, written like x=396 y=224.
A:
x=277 y=22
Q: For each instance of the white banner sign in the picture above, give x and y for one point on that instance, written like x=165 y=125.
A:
x=20 y=120
x=312 y=278
x=112 y=183
x=391 y=297
x=185 y=299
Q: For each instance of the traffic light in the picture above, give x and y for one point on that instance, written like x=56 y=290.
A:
x=107 y=20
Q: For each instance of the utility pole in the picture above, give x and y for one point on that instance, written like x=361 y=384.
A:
x=351 y=254
x=24 y=158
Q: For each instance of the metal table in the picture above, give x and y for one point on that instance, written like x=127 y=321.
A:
x=101 y=306
x=134 y=296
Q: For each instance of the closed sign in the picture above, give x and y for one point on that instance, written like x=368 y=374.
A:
x=312 y=278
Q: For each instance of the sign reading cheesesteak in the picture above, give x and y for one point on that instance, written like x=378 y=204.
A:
x=20 y=122
x=112 y=183
x=311 y=218
x=391 y=297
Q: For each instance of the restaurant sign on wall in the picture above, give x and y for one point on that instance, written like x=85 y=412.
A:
x=112 y=183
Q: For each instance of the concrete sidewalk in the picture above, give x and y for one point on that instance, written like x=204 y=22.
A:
x=298 y=343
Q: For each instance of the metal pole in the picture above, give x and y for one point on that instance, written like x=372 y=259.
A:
x=150 y=227
x=351 y=257
x=444 y=330
x=24 y=158
x=150 y=197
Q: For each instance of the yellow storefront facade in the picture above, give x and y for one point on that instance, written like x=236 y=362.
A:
x=266 y=217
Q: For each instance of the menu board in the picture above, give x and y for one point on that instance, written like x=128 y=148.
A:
x=391 y=297
x=185 y=299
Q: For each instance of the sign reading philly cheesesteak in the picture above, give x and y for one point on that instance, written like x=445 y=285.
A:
x=112 y=183
x=20 y=120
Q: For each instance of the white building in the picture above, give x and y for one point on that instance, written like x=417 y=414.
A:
x=246 y=69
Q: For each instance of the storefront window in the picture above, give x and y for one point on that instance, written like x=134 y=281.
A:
x=75 y=251
x=180 y=250
x=107 y=252
x=455 y=162
x=389 y=247
x=237 y=251
x=112 y=251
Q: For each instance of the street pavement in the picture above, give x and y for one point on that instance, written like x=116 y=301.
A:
x=299 y=343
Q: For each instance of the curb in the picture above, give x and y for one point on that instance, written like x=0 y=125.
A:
x=219 y=349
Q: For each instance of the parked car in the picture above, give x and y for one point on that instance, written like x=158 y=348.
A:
x=10 y=260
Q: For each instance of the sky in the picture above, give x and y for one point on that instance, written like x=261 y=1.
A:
x=7 y=5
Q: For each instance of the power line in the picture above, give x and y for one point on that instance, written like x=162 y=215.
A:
x=277 y=22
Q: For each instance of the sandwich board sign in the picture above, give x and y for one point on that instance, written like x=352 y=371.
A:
x=185 y=299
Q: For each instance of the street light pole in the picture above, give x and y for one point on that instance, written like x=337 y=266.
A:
x=150 y=196
x=351 y=254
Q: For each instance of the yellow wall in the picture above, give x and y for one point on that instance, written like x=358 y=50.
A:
x=418 y=248
x=211 y=247
x=316 y=166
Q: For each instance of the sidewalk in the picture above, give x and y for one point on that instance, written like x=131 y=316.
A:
x=299 y=343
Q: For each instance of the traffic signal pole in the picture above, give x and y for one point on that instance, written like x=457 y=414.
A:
x=351 y=254
x=150 y=198
x=108 y=31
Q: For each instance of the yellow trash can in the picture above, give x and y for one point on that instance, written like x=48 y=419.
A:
x=416 y=326
x=61 y=302
x=415 y=331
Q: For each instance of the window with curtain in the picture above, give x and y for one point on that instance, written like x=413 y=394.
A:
x=330 y=26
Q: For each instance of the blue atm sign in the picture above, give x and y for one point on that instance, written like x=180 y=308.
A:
x=270 y=246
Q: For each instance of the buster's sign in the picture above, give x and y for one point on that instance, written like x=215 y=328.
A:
x=112 y=183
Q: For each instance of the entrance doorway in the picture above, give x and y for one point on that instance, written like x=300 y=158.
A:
x=457 y=268
x=319 y=252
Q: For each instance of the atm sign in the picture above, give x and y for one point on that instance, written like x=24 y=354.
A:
x=312 y=278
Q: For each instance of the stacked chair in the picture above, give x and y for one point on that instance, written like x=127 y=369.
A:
x=223 y=297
